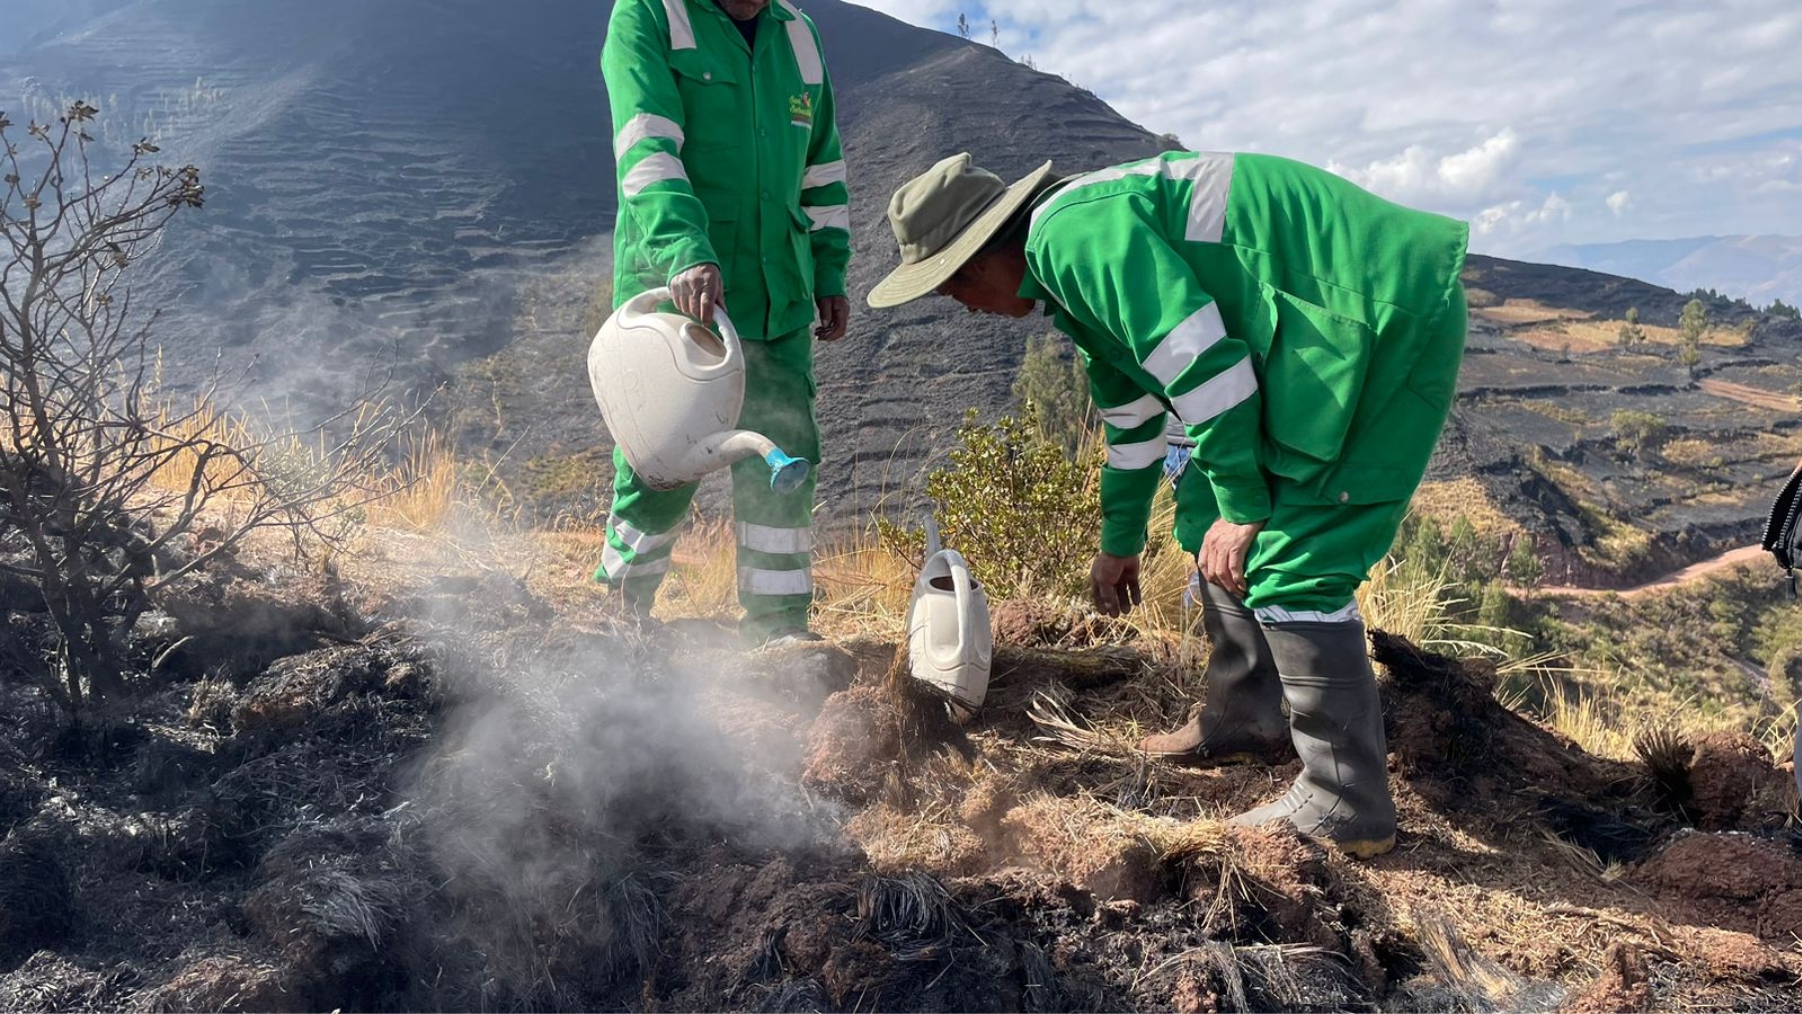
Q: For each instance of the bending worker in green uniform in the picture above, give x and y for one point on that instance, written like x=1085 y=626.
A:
x=732 y=193
x=1308 y=335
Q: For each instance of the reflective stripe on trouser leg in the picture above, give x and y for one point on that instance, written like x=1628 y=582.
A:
x=775 y=530
x=641 y=533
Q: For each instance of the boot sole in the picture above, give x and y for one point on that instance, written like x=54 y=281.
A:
x=1368 y=848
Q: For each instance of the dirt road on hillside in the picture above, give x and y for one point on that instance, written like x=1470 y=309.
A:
x=1693 y=572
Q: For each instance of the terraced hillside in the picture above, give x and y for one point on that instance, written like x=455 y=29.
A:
x=1545 y=382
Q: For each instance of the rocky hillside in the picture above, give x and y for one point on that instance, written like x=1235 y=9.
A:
x=1622 y=462
x=425 y=186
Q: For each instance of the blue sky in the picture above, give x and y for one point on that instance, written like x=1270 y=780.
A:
x=1540 y=121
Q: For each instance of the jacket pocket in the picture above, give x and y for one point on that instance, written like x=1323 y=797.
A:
x=710 y=99
x=1312 y=379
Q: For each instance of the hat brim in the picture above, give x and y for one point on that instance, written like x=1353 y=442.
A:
x=911 y=281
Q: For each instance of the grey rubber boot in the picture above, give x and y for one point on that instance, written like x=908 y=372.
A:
x=1336 y=721
x=1242 y=716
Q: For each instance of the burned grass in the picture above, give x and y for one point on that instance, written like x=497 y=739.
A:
x=506 y=808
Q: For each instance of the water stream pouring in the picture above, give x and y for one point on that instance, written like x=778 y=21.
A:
x=671 y=391
x=949 y=643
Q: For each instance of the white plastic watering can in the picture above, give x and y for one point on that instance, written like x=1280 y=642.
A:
x=949 y=643
x=671 y=391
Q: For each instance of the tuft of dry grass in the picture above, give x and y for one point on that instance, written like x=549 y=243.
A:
x=420 y=492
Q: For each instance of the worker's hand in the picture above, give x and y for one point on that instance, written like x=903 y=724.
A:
x=835 y=316
x=1114 y=583
x=1223 y=553
x=698 y=290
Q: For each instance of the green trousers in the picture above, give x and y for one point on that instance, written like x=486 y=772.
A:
x=1310 y=558
x=775 y=530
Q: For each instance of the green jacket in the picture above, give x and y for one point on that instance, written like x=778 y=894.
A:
x=1284 y=314
x=726 y=154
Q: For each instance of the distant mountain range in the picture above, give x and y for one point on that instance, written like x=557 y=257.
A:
x=1758 y=269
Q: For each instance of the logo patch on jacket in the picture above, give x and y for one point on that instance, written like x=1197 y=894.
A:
x=800 y=110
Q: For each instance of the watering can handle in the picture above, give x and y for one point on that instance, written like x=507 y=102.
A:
x=964 y=587
x=647 y=300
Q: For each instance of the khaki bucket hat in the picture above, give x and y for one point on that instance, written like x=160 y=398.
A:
x=943 y=217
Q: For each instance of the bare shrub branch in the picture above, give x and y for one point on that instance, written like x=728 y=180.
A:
x=102 y=477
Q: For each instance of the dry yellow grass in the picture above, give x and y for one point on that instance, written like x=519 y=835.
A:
x=1445 y=500
x=420 y=492
x=1527 y=311
x=1581 y=335
x=183 y=435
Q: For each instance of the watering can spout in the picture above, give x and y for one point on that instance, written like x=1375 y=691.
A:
x=722 y=449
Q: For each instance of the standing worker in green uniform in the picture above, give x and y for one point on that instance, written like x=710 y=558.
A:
x=1308 y=335
x=732 y=193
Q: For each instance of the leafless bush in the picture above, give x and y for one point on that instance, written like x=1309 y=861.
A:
x=101 y=481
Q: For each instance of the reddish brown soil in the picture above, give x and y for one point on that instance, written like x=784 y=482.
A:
x=1734 y=784
x=1730 y=881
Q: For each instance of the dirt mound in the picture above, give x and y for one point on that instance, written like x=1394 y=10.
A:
x=1730 y=881
x=1623 y=985
x=1734 y=785
x=1464 y=753
x=1085 y=845
x=867 y=737
x=1042 y=623
x=1742 y=957
x=237 y=619
x=309 y=689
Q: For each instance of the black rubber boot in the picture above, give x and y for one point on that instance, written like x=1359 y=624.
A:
x=1336 y=721
x=1241 y=719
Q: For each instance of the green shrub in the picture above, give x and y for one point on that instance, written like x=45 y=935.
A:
x=1638 y=432
x=1025 y=515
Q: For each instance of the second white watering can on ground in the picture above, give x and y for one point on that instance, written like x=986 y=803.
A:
x=949 y=643
x=671 y=391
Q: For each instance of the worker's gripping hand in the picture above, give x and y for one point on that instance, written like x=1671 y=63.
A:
x=1223 y=554
x=698 y=290
x=835 y=316
x=1114 y=583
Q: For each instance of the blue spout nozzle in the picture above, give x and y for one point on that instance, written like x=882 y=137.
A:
x=786 y=473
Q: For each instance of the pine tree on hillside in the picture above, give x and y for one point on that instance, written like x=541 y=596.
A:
x=1631 y=332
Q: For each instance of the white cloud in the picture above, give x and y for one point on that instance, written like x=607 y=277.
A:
x=1416 y=176
x=1516 y=217
x=1619 y=202
x=1472 y=110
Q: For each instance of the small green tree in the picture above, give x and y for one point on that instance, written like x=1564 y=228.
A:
x=1638 y=433
x=1464 y=548
x=963 y=25
x=1631 y=333
x=1524 y=568
x=1691 y=325
x=1051 y=392
x=1781 y=309
x=1494 y=608
x=1024 y=514
x=1423 y=545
